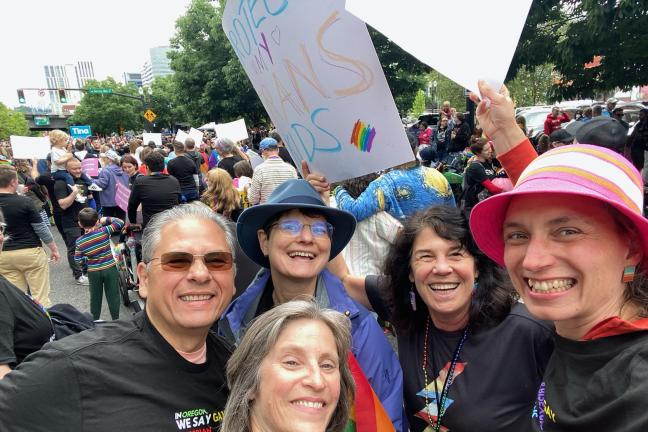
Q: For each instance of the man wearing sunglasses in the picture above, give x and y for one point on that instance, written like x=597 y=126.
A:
x=164 y=370
x=294 y=235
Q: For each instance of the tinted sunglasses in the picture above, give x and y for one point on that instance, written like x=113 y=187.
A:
x=182 y=261
x=294 y=227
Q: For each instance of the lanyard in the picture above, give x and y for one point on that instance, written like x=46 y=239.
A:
x=440 y=400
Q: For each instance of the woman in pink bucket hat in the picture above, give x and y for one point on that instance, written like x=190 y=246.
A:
x=574 y=240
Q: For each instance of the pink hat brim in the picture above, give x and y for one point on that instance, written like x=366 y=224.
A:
x=487 y=217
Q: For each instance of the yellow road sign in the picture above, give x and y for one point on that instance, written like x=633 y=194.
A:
x=149 y=115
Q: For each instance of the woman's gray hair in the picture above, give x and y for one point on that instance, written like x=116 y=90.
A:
x=225 y=145
x=243 y=368
x=194 y=210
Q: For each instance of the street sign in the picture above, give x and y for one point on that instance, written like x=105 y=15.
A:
x=97 y=90
x=150 y=115
x=41 y=120
x=80 y=132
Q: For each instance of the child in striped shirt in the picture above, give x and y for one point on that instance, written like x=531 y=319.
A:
x=94 y=247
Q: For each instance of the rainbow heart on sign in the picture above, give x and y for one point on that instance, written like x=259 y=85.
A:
x=362 y=136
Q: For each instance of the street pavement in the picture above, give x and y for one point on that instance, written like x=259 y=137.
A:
x=64 y=289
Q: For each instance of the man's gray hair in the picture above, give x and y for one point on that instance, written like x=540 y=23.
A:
x=244 y=378
x=225 y=145
x=190 y=144
x=195 y=210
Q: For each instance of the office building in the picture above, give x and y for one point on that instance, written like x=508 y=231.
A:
x=157 y=65
x=133 y=78
x=68 y=76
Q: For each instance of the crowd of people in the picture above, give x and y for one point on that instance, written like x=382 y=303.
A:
x=485 y=285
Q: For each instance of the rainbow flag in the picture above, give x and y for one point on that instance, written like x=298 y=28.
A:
x=367 y=413
x=362 y=136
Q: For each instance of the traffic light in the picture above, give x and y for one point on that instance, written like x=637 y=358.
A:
x=62 y=96
x=21 y=97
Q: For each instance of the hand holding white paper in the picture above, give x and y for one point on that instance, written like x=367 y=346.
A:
x=497 y=28
x=29 y=147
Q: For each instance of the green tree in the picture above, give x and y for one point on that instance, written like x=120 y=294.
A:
x=571 y=33
x=418 y=106
x=108 y=113
x=615 y=30
x=164 y=102
x=213 y=85
x=12 y=123
x=531 y=86
x=405 y=74
x=445 y=90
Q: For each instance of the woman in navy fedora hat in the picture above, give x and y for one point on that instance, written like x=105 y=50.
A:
x=293 y=236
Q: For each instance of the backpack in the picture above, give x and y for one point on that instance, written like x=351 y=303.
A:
x=68 y=320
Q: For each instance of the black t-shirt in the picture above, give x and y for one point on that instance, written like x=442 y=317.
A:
x=70 y=215
x=184 y=169
x=24 y=325
x=156 y=193
x=19 y=212
x=228 y=164
x=496 y=378
x=122 y=375
x=596 y=385
x=475 y=174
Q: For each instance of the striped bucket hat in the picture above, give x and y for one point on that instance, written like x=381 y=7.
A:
x=580 y=169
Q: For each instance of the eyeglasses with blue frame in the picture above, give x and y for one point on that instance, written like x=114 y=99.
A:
x=294 y=227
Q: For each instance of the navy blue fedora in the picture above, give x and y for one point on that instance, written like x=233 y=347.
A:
x=291 y=194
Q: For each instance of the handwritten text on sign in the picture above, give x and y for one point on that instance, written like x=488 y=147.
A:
x=318 y=76
x=122 y=194
x=90 y=166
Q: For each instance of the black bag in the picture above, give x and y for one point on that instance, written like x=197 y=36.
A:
x=68 y=320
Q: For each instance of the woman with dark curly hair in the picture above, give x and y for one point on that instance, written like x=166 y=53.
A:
x=472 y=356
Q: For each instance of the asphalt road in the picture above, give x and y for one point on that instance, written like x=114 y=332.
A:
x=64 y=289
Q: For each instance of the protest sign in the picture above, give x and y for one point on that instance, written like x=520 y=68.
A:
x=196 y=135
x=30 y=147
x=181 y=136
x=90 y=166
x=155 y=137
x=236 y=130
x=122 y=194
x=80 y=132
x=317 y=73
x=499 y=29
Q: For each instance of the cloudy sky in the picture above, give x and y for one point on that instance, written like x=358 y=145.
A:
x=115 y=35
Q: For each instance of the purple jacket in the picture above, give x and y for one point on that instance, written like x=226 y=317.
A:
x=108 y=178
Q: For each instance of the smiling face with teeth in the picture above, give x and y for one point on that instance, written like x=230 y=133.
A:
x=295 y=261
x=565 y=255
x=183 y=305
x=444 y=274
x=299 y=383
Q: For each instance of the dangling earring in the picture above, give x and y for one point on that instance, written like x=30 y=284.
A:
x=475 y=285
x=412 y=297
x=628 y=274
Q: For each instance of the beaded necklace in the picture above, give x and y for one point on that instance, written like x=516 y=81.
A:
x=440 y=401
